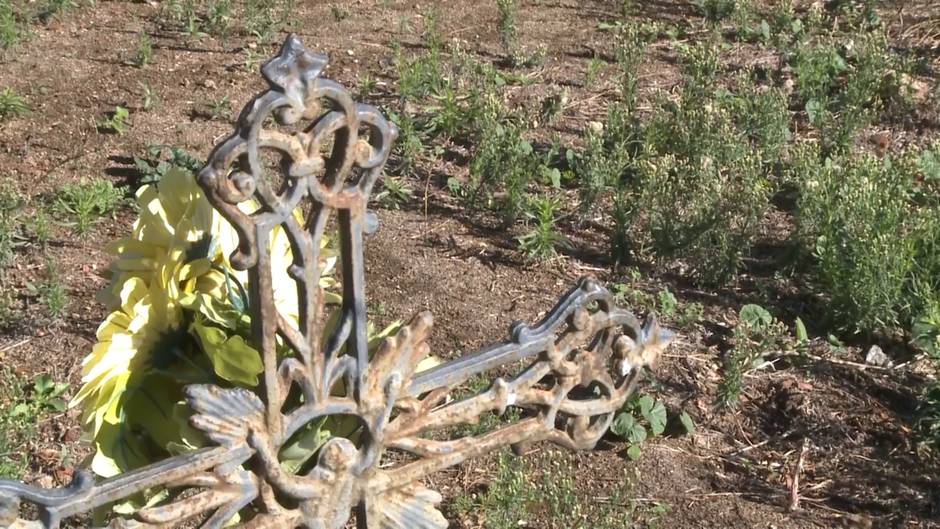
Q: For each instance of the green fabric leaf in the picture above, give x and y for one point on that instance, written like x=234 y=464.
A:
x=232 y=358
x=211 y=309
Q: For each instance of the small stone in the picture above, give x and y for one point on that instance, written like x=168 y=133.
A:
x=595 y=126
x=209 y=83
x=877 y=357
x=350 y=53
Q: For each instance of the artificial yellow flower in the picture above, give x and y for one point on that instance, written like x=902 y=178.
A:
x=176 y=259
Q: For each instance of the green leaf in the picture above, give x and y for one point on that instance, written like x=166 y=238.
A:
x=20 y=410
x=765 y=29
x=657 y=418
x=646 y=404
x=637 y=434
x=814 y=110
x=755 y=316
x=622 y=424
x=232 y=358
x=801 y=336
x=633 y=452
x=687 y=423
x=56 y=404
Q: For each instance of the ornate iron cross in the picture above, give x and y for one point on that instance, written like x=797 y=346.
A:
x=583 y=359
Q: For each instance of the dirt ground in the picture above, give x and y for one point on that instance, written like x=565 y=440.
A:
x=861 y=469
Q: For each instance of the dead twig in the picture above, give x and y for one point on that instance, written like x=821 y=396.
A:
x=795 y=480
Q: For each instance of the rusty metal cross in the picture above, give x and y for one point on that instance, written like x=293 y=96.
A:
x=582 y=360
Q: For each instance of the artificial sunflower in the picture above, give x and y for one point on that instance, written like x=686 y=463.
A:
x=178 y=316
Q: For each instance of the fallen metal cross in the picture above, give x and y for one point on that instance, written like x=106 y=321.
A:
x=583 y=359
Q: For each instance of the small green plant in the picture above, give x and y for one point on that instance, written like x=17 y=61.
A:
x=220 y=108
x=10 y=30
x=542 y=240
x=12 y=104
x=160 y=160
x=756 y=335
x=593 y=69
x=508 y=11
x=339 y=12
x=631 y=51
x=410 y=145
x=115 y=122
x=10 y=209
x=51 y=292
x=22 y=406
x=928 y=416
x=40 y=226
x=544 y=487
x=143 y=55
x=716 y=10
x=218 y=17
x=925 y=333
x=667 y=303
x=690 y=314
x=502 y=169
x=394 y=193
x=642 y=417
x=148 y=96
x=86 y=202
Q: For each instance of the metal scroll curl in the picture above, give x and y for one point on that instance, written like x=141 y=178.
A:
x=305 y=146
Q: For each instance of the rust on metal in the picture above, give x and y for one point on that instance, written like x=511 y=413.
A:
x=583 y=358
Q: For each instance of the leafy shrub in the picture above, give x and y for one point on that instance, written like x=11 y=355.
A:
x=704 y=185
x=854 y=217
x=503 y=161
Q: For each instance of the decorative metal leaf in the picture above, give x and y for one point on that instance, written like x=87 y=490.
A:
x=408 y=507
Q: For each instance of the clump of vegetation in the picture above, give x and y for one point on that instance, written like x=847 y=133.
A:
x=51 y=292
x=143 y=55
x=86 y=202
x=855 y=217
x=10 y=208
x=115 y=122
x=756 y=335
x=161 y=160
x=542 y=240
x=394 y=193
x=12 y=104
x=22 y=406
x=643 y=417
x=524 y=487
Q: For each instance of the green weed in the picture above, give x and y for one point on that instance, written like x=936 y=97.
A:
x=542 y=240
x=504 y=161
x=115 y=122
x=643 y=417
x=10 y=30
x=22 y=406
x=12 y=104
x=507 y=11
x=51 y=292
x=756 y=335
x=148 y=96
x=394 y=193
x=11 y=203
x=143 y=55
x=86 y=202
